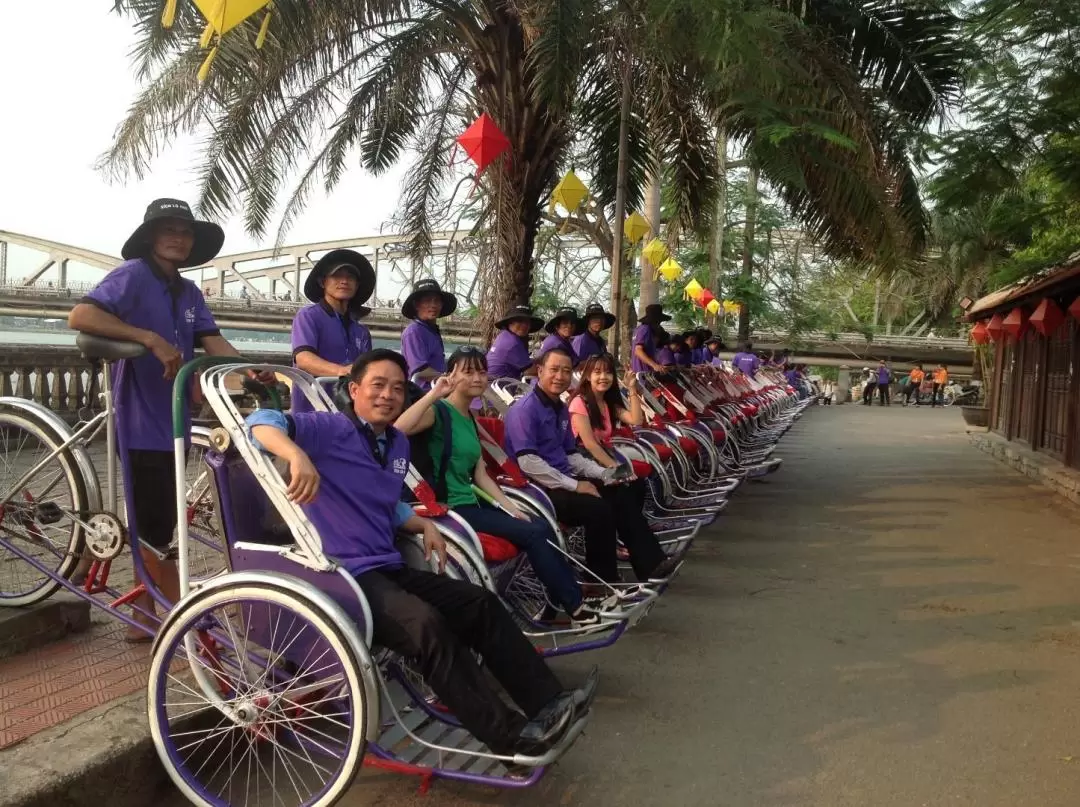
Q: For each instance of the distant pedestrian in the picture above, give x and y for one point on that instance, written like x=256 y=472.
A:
x=869 y=383
x=884 y=376
x=941 y=378
x=915 y=381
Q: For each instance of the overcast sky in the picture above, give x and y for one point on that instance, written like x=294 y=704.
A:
x=65 y=83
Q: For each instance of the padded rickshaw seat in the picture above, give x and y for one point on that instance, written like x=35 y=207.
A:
x=664 y=452
x=718 y=434
x=641 y=469
x=689 y=445
x=494 y=427
x=98 y=348
x=496 y=549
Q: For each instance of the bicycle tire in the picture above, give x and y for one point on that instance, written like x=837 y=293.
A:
x=20 y=421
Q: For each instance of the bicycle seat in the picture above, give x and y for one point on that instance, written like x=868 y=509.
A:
x=98 y=348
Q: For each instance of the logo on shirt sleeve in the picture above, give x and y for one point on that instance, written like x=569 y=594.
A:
x=189 y=316
x=401 y=466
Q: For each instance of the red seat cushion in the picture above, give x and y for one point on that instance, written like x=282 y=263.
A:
x=641 y=469
x=496 y=428
x=689 y=445
x=496 y=549
x=665 y=452
x=718 y=434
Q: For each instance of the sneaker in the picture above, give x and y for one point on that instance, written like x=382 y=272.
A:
x=585 y=617
x=665 y=569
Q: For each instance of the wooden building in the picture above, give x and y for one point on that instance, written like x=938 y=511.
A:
x=1033 y=331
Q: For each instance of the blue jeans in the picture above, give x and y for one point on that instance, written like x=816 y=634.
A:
x=532 y=537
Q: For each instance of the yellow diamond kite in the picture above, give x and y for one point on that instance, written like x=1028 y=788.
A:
x=636 y=227
x=655 y=252
x=713 y=307
x=693 y=290
x=570 y=192
x=670 y=270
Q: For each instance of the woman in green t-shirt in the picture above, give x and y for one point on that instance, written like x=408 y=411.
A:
x=458 y=470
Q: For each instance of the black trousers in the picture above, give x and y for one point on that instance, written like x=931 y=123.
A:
x=616 y=513
x=435 y=621
x=153 y=496
x=937 y=391
x=883 y=394
x=909 y=390
x=868 y=393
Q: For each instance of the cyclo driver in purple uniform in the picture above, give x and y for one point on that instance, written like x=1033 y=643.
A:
x=145 y=300
x=421 y=342
x=346 y=471
x=328 y=337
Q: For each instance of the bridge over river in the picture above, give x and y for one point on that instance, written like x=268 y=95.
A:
x=257 y=291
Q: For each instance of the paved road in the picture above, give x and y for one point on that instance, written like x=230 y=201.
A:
x=893 y=619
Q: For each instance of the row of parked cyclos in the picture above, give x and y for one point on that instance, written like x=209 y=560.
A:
x=225 y=659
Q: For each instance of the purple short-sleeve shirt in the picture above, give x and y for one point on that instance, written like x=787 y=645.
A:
x=682 y=358
x=748 y=363
x=553 y=341
x=358 y=492
x=643 y=336
x=586 y=345
x=665 y=357
x=422 y=347
x=330 y=336
x=537 y=424
x=141 y=295
x=508 y=356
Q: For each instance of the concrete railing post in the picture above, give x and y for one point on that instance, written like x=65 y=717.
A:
x=843 y=384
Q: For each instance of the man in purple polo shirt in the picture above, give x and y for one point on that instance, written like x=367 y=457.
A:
x=346 y=470
x=713 y=346
x=561 y=328
x=509 y=354
x=328 y=337
x=746 y=361
x=643 y=358
x=693 y=344
x=679 y=351
x=538 y=435
x=145 y=300
x=421 y=341
x=591 y=343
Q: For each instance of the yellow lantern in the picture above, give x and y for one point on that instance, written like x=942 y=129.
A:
x=670 y=270
x=570 y=192
x=221 y=17
x=655 y=252
x=636 y=227
x=713 y=307
x=730 y=306
x=693 y=290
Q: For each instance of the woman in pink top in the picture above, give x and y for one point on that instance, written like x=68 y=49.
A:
x=597 y=402
x=595 y=407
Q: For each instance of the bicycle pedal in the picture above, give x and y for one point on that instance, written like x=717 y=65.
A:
x=48 y=513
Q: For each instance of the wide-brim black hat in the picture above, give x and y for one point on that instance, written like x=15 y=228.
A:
x=428 y=285
x=654 y=314
x=335 y=259
x=596 y=310
x=704 y=333
x=565 y=313
x=714 y=340
x=208 y=241
x=521 y=312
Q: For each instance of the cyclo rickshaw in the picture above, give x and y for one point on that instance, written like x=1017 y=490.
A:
x=264 y=681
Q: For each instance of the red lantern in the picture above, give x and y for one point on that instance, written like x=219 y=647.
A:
x=995 y=327
x=1016 y=323
x=705 y=298
x=979 y=334
x=483 y=141
x=1074 y=309
x=1047 y=317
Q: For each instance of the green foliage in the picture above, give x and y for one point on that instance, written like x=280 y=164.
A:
x=1011 y=173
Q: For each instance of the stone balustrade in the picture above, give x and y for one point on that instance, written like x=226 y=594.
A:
x=60 y=378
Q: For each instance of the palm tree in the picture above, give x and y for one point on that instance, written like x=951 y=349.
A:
x=339 y=79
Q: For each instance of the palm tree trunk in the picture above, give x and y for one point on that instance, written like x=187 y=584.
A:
x=747 y=272
x=716 y=244
x=617 y=227
x=650 y=289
